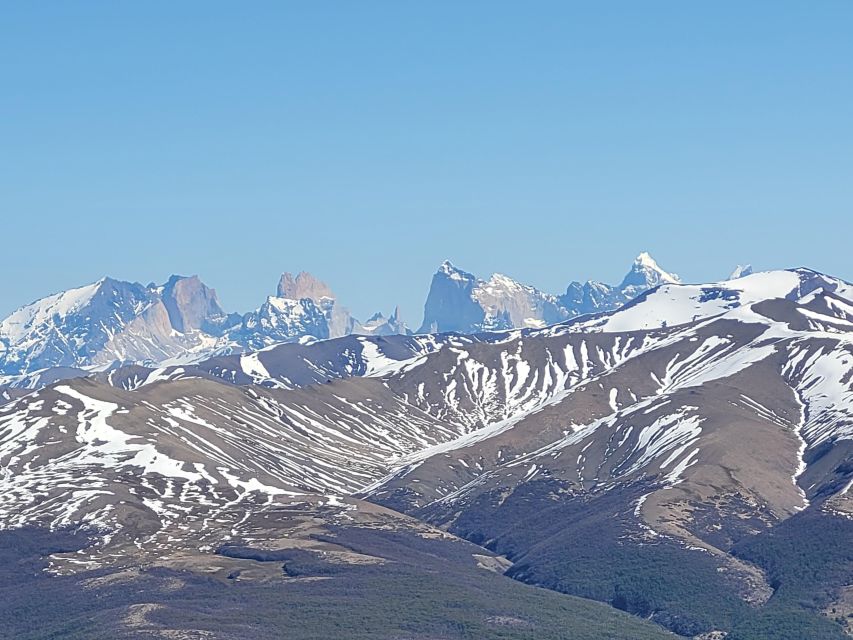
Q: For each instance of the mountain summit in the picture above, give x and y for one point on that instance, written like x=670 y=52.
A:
x=109 y=321
x=645 y=274
x=460 y=302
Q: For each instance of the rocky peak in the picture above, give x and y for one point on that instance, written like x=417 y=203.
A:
x=303 y=285
x=450 y=305
x=448 y=270
x=189 y=302
x=379 y=325
x=645 y=274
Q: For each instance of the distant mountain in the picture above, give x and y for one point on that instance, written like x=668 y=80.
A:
x=111 y=321
x=595 y=297
x=303 y=307
x=305 y=286
x=460 y=302
x=379 y=325
x=306 y=307
x=280 y=320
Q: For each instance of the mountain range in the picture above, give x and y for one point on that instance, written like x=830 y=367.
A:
x=110 y=322
x=459 y=301
x=678 y=465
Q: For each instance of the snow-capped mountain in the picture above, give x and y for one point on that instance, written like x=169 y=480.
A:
x=379 y=325
x=679 y=438
x=595 y=297
x=180 y=322
x=305 y=286
x=281 y=320
x=459 y=301
x=110 y=321
x=305 y=308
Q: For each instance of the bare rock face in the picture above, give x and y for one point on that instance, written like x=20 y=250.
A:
x=303 y=285
x=190 y=303
x=450 y=304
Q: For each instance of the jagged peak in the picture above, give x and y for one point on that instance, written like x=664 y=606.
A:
x=645 y=258
x=646 y=272
x=453 y=272
x=302 y=285
x=446 y=265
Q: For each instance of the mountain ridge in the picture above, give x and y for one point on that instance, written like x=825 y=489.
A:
x=182 y=321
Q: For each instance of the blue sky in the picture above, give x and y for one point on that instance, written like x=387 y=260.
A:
x=368 y=141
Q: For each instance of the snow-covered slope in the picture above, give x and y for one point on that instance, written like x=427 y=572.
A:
x=675 y=304
x=445 y=419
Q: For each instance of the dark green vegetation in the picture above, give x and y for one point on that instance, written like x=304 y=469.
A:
x=425 y=589
x=592 y=547
x=431 y=588
x=807 y=558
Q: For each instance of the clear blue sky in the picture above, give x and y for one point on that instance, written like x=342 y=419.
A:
x=367 y=141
